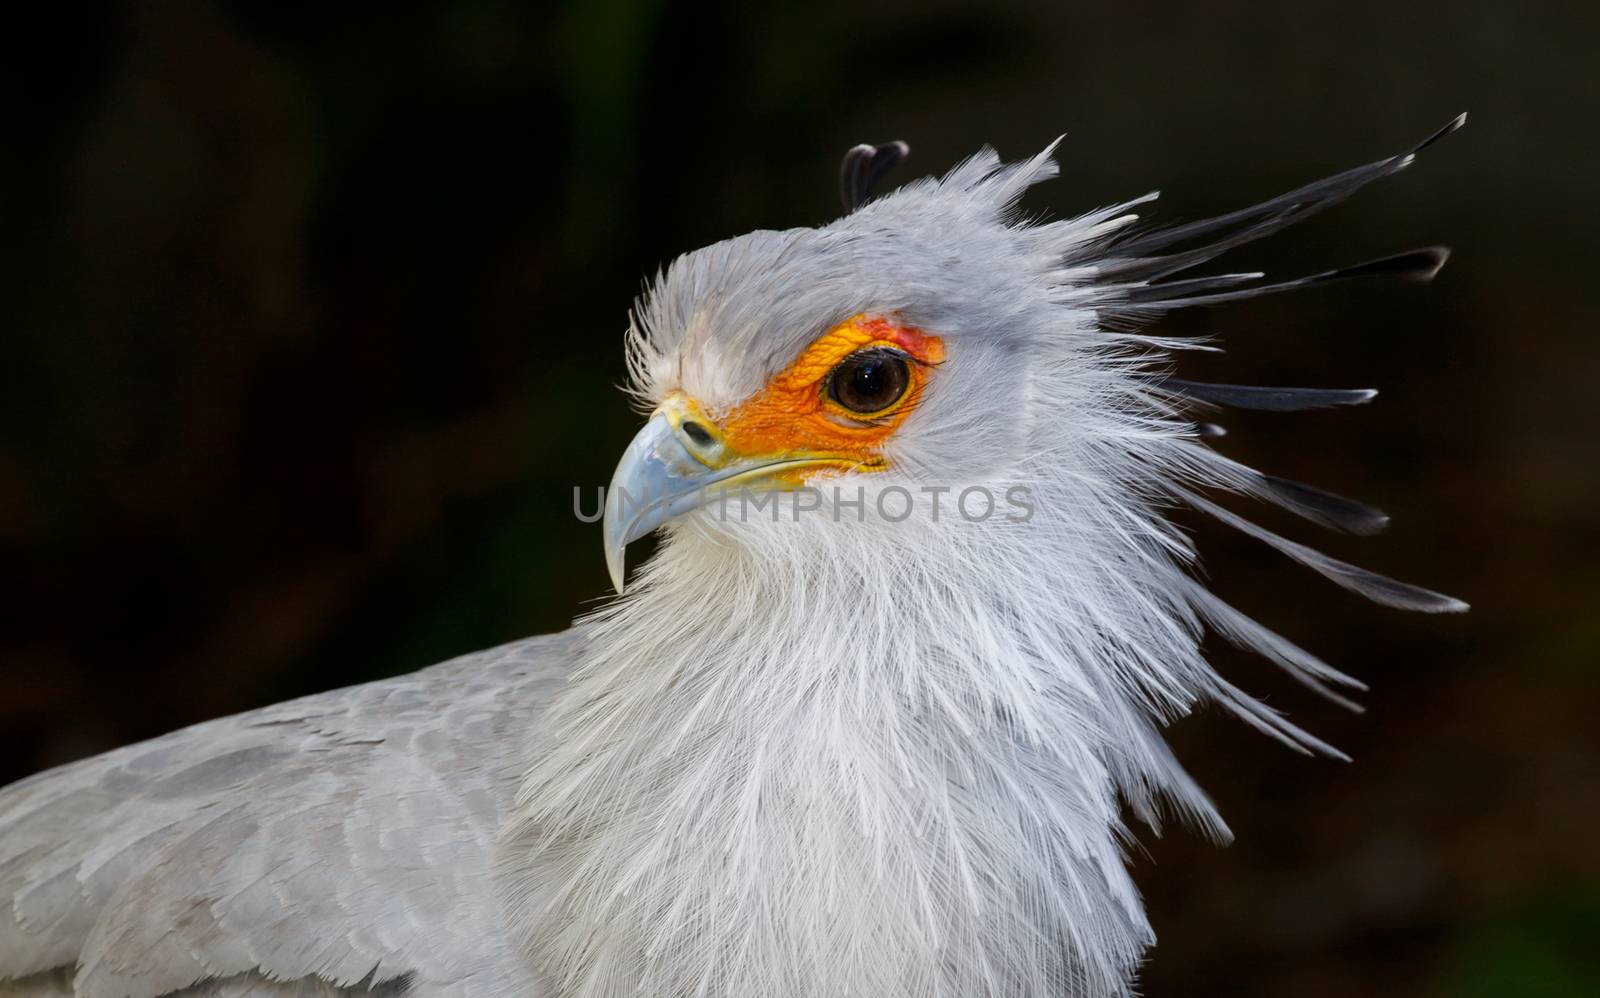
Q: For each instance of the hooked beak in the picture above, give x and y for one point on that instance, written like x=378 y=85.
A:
x=680 y=462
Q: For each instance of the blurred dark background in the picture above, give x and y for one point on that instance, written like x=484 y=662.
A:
x=312 y=318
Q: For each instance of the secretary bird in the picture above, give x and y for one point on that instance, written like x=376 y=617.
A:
x=835 y=739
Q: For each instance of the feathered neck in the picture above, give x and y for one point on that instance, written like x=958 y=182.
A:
x=823 y=756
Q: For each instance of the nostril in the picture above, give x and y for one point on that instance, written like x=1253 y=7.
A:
x=699 y=434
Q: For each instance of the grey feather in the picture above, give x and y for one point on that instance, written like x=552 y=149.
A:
x=1321 y=506
x=1412 y=265
x=1137 y=253
x=1375 y=587
x=1139 y=263
x=1328 y=509
x=1244 y=632
x=58 y=984
x=1267 y=399
x=343 y=841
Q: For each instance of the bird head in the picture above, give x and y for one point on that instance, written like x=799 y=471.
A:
x=933 y=343
x=914 y=345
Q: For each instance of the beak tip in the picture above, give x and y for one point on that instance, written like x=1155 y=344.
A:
x=616 y=567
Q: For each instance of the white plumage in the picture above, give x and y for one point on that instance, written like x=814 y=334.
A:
x=827 y=754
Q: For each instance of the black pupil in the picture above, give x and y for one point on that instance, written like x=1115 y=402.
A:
x=870 y=382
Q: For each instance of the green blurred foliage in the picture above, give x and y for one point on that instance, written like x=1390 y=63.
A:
x=1545 y=950
x=313 y=314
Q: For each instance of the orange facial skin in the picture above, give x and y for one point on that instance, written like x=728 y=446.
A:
x=792 y=415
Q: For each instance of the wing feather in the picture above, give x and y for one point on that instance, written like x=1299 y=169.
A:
x=340 y=843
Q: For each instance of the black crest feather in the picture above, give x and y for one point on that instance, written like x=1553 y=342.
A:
x=863 y=166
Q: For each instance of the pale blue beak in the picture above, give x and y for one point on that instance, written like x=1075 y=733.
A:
x=678 y=463
x=657 y=479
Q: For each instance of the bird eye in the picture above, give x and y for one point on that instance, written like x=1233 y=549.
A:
x=870 y=381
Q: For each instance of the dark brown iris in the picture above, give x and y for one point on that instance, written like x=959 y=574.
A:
x=870 y=381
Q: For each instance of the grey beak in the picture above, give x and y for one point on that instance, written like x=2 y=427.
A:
x=678 y=463
x=656 y=480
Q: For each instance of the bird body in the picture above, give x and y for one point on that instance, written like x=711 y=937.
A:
x=817 y=748
x=338 y=840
